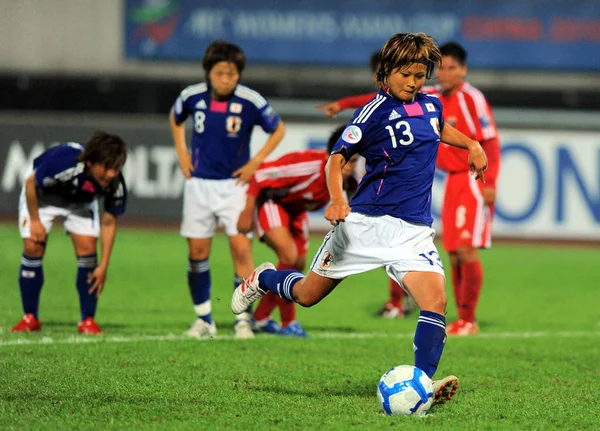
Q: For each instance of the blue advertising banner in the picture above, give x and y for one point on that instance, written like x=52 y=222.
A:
x=510 y=34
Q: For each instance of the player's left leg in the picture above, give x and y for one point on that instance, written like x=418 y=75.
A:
x=83 y=225
x=291 y=284
x=87 y=260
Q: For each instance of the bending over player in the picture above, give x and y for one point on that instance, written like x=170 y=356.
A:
x=66 y=182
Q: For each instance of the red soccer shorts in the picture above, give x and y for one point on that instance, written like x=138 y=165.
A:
x=271 y=215
x=466 y=220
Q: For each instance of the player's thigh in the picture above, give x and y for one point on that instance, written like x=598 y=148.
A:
x=300 y=233
x=313 y=288
x=232 y=200
x=415 y=256
x=282 y=242
x=473 y=218
x=199 y=219
x=83 y=220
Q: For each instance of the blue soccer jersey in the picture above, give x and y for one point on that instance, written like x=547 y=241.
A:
x=222 y=129
x=399 y=142
x=58 y=172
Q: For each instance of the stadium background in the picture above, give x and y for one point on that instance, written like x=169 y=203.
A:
x=120 y=65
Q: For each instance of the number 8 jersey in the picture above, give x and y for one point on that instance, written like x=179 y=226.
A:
x=399 y=142
x=222 y=129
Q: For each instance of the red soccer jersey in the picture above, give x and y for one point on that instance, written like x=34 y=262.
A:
x=296 y=180
x=469 y=112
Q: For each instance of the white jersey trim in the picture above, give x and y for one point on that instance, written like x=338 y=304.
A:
x=246 y=93
x=369 y=108
x=193 y=90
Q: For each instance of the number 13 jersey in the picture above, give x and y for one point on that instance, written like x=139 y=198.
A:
x=399 y=142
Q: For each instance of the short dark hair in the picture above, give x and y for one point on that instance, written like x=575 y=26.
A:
x=221 y=50
x=105 y=149
x=334 y=137
x=454 y=50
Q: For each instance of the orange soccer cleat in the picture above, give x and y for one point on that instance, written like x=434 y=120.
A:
x=27 y=324
x=89 y=326
x=462 y=327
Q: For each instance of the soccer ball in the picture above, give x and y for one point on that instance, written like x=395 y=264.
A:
x=405 y=390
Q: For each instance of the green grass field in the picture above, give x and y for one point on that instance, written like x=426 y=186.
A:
x=534 y=366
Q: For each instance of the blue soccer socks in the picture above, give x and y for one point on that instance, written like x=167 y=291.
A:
x=429 y=341
x=280 y=282
x=31 y=280
x=199 y=284
x=87 y=301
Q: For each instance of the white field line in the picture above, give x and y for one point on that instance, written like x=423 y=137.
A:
x=318 y=335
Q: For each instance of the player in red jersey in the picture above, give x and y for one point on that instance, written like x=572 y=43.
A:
x=280 y=194
x=468 y=206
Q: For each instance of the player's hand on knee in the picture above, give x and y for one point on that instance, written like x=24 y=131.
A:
x=96 y=280
x=37 y=231
x=245 y=222
x=336 y=213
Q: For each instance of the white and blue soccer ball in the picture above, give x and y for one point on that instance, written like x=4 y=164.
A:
x=405 y=390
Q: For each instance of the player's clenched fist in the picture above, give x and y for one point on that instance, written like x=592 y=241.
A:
x=337 y=212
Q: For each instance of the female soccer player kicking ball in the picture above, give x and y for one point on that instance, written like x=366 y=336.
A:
x=388 y=222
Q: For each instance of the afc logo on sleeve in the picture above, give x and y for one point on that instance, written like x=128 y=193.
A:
x=352 y=134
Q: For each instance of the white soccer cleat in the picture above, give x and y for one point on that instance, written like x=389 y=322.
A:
x=201 y=329
x=248 y=292
x=444 y=389
x=243 y=330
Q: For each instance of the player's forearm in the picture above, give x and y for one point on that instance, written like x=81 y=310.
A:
x=333 y=174
x=451 y=136
x=31 y=198
x=178 y=133
x=272 y=143
x=108 y=231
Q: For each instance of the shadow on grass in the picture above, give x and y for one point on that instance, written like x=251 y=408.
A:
x=347 y=389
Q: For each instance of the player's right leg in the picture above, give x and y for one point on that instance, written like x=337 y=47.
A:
x=31 y=273
x=199 y=284
x=198 y=226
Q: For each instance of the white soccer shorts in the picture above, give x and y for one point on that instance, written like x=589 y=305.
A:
x=362 y=243
x=208 y=204
x=79 y=218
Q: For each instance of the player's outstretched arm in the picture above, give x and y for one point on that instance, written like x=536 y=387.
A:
x=183 y=155
x=244 y=174
x=36 y=228
x=477 y=158
x=338 y=209
x=108 y=231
